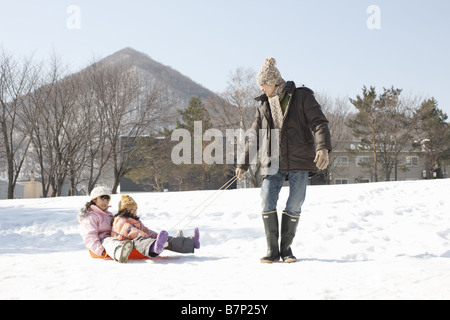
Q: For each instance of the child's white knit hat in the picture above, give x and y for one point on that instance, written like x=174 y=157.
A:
x=100 y=191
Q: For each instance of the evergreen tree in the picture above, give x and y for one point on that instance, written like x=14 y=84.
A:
x=382 y=124
x=433 y=136
x=198 y=173
x=394 y=130
x=365 y=123
x=195 y=111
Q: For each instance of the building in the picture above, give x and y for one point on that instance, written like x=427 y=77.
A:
x=33 y=188
x=157 y=172
x=18 y=192
x=352 y=164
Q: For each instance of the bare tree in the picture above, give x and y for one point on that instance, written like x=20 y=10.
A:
x=337 y=112
x=236 y=108
x=55 y=135
x=2 y=154
x=39 y=101
x=92 y=123
x=127 y=109
x=17 y=80
x=75 y=129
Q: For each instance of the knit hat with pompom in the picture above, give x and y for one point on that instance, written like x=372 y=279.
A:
x=269 y=74
x=127 y=202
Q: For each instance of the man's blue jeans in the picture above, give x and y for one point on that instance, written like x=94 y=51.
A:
x=271 y=187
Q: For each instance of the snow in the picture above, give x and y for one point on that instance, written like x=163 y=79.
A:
x=385 y=240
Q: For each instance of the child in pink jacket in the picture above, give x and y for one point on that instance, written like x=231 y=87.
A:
x=127 y=226
x=95 y=227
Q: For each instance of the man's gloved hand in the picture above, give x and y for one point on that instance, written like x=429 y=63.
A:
x=240 y=173
x=322 y=160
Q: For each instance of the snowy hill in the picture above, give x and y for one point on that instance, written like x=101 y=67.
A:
x=372 y=241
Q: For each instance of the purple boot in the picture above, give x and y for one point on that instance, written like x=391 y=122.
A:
x=158 y=245
x=196 y=238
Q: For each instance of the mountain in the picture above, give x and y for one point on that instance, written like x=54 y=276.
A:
x=180 y=86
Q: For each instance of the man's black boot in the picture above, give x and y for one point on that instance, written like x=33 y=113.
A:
x=289 y=226
x=272 y=234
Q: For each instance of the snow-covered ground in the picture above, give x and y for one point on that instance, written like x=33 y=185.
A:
x=371 y=241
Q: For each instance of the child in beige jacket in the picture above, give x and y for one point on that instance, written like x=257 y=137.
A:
x=126 y=225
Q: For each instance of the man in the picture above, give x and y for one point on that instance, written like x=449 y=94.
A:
x=300 y=120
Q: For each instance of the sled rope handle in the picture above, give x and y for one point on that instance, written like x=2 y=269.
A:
x=217 y=194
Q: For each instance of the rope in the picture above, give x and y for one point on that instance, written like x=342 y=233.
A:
x=218 y=193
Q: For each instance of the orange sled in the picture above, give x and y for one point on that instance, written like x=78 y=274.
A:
x=134 y=255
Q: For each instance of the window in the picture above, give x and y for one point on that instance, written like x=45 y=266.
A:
x=412 y=161
x=341 y=181
x=362 y=161
x=341 y=161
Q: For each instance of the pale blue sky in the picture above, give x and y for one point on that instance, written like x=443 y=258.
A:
x=323 y=44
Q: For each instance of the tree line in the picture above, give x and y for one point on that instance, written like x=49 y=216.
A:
x=384 y=125
x=387 y=124
x=71 y=127
x=110 y=121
